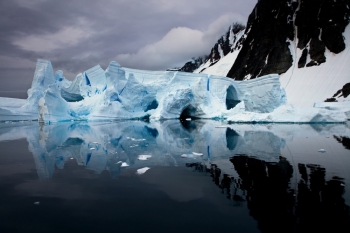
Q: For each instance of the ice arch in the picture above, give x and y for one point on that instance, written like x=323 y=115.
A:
x=231 y=97
x=188 y=112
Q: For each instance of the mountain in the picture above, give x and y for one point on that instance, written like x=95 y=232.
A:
x=225 y=45
x=304 y=41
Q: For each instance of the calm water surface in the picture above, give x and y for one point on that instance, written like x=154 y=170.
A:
x=203 y=176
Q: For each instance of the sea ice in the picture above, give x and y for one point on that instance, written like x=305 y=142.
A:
x=142 y=170
x=144 y=157
x=197 y=154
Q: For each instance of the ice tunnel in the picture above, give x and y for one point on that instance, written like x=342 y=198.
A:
x=231 y=98
x=188 y=112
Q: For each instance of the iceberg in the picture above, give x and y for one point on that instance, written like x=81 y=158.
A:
x=123 y=93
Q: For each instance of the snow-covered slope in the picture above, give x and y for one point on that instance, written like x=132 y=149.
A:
x=306 y=42
x=305 y=86
x=224 y=63
x=223 y=53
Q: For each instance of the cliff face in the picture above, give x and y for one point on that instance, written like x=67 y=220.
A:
x=226 y=43
x=265 y=48
x=273 y=25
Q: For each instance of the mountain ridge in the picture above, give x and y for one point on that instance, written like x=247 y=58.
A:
x=300 y=41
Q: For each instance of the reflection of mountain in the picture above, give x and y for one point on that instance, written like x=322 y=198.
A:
x=343 y=140
x=321 y=206
x=315 y=205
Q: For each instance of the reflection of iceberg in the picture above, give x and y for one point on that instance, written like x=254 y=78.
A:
x=106 y=146
x=122 y=93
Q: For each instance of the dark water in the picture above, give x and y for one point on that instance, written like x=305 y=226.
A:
x=202 y=177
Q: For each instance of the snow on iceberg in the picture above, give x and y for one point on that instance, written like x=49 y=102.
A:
x=123 y=93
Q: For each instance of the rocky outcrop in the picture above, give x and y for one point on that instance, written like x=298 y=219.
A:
x=193 y=64
x=302 y=40
x=225 y=44
x=265 y=47
x=320 y=25
x=344 y=93
x=274 y=24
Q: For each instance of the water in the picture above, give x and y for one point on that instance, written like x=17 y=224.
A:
x=203 y=176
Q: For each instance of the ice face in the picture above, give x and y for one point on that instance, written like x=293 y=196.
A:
x=122 y=93
x=17 y=109
x=43 y=77
x=115 y=76
x=93 y=82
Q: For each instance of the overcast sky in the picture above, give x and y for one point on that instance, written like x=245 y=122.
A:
x=78 y=34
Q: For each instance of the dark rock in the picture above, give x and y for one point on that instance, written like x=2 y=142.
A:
x=194 y=64
x=265 y=49
x=319 y=25
x=279 y=60
x=311 y=63
x=224 y=43
x=317 y=49
x=327 y=18
x=307 y=22
x=214 y=53
x=333 y=19
x=302 y=60
x=331 y=100
x=337 y=93
x=189 y=67
x=346 y=90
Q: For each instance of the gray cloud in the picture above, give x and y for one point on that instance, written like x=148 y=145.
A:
x=76 y=35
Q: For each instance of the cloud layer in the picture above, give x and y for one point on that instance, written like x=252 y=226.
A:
x=178 y=46
x=76 y=35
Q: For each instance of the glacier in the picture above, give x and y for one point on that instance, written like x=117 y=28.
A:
x=122 y=93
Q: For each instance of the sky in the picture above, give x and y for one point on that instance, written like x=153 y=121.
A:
x=76 y=35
